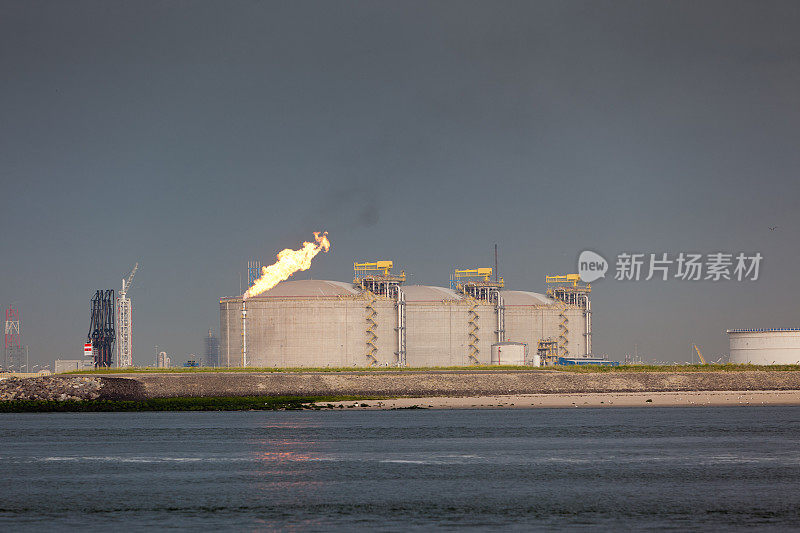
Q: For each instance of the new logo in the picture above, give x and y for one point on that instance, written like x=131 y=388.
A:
x=591 y=266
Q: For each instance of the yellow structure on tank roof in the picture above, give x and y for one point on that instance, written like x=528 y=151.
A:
x=485 y=273
x=568 y=279
x=377 y=266
x=377 y=269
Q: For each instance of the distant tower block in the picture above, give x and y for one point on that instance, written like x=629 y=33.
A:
x=13 y=347
x=253 y=272
x=212 y=349
x=163 y=360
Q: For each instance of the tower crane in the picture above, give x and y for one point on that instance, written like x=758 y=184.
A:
x=125 y=322
x=126 y=283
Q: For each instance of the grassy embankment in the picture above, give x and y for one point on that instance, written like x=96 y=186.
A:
x=486 y=368
x=245 y=403
x=677 y=368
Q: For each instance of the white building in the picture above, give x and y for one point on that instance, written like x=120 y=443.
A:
x=71 y=365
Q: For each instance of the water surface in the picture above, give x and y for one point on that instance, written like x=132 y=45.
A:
x=665 y=468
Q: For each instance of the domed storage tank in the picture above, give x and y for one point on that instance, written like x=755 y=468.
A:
x=320 y=323
x=765 y=346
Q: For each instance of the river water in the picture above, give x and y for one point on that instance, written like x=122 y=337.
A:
x=634 y=468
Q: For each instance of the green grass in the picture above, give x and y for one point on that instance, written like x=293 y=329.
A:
x=182 y=370
x=244 y=403
x=486 y=368
x=151 y=370
x=675 y=368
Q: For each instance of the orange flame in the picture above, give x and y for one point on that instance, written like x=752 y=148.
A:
x=289 y=262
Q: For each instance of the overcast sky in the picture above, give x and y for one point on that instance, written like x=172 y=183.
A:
x=193 y=136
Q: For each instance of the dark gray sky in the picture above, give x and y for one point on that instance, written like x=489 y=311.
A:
x=192 y=136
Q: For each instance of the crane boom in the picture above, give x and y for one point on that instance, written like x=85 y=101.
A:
x=126 y=283
x=702 y=359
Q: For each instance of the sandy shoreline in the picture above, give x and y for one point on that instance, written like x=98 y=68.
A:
x=604 y=399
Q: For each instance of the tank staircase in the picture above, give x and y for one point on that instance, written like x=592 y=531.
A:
x=570 y=290
x=376 y=280
x=372 y=337
x=473 y=333
x=477 y=287
x=563 y=340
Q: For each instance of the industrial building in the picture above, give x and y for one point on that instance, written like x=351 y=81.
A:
x=765 y=346
x=162 y=360
x=71 y=365
x=376 y=320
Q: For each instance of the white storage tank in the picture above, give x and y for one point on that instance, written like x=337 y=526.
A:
x=765 y=346
x=509 y=353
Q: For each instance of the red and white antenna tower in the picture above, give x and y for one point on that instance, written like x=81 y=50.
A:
x=13 y=346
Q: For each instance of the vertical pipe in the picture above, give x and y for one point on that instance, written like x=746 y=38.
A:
x=501 y=320
x=401 y=301
x=495 y=263
x=227 y=335
x=399 y=331
x=244 y=334
x=589 y=325
x=405 y=333
x=401 y=328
